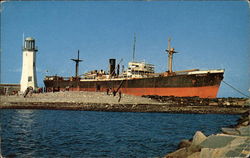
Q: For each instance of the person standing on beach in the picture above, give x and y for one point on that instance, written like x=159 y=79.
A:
x=29 y=90
x=120 y=96
x=114 y=93
x=107 y=91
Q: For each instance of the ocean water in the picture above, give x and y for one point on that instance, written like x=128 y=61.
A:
x=59 y=133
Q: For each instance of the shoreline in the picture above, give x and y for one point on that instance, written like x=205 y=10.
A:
x=99 y=101
x=124 y=108
x=158 y=108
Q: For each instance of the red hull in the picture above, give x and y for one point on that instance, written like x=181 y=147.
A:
x=202 y=92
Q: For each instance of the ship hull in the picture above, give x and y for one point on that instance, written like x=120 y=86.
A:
x=202 y=92
x=201 y=85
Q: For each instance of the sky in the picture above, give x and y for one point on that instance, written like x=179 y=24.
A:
x=207 y=35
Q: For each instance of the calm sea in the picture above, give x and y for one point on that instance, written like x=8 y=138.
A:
x=51 y=133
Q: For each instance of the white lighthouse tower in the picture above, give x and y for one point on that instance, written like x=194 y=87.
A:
x=29 y=64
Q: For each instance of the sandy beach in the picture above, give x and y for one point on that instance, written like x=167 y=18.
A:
x=78 y=97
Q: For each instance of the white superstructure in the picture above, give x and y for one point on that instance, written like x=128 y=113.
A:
x=138 y=69
x=29 y=65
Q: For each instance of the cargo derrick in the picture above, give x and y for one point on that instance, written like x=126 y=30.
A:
x=170 y=51
x=140 y=79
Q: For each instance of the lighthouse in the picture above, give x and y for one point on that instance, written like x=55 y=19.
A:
x=29 y=64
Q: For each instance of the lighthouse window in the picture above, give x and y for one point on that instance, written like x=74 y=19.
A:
x=29 y=78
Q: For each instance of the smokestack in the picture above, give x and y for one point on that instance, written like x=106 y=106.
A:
x=118 y=70
x=111 y=67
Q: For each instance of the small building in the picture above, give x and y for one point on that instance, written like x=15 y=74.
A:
x=9 y=89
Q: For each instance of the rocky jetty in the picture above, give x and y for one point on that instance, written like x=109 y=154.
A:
x=100 y=101
x=232 y=142
x=196 y=101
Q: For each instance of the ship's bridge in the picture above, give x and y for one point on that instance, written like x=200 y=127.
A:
x=138 y=69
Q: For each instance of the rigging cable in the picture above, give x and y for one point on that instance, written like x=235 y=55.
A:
x=236 y=89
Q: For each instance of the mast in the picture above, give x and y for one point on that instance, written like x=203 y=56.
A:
x=134 y=48
x=77 y=64
x=170 y=51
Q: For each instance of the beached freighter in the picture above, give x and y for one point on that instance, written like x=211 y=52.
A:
x=140 y=79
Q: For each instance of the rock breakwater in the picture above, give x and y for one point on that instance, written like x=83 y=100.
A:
x=196 y=101
x=232 y=142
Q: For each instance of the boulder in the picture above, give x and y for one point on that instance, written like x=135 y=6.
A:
x=178 y=154
x=198 y=138
x=230 y=131
x=195 y=155
x=244 y=130
x=217 y=141
x=184 y=143
x=245 y=123
x=208 y=152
